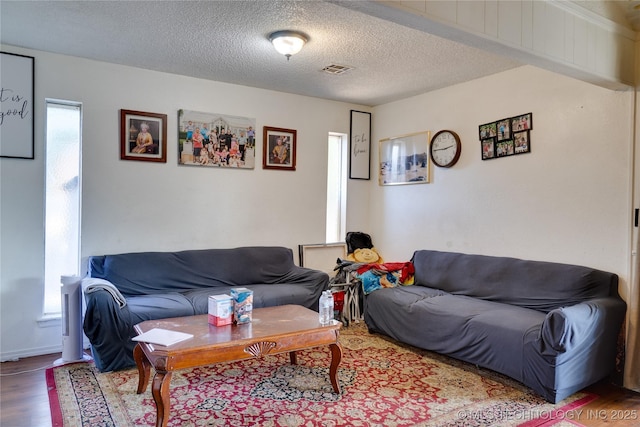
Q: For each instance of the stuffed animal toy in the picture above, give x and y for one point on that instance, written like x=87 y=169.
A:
x=365 y=255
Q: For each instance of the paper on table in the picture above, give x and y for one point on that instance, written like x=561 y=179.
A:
x=162 y=337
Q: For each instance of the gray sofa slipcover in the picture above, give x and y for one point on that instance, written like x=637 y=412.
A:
x=553 y=327
x=125 y=289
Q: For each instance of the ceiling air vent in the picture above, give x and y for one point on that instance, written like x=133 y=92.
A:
x=336 y=69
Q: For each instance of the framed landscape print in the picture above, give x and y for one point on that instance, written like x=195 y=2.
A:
x=143 y=136
x=404 y=159
x=279 y=148
x=216 y=140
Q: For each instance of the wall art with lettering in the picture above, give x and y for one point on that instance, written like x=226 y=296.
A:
x=360 y=145
x=16 y=106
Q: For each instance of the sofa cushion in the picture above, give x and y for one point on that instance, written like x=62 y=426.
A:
x=263 y=296
x=158 y=306
x=538 y=285
x=180 y=271
x=467 y=328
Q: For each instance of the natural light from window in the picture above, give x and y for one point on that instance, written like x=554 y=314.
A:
x=62 y=198
x=336 y=188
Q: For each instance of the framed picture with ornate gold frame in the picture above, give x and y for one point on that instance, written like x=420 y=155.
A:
x=405 y=159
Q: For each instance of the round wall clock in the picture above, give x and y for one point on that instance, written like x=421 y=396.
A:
x=445 y=148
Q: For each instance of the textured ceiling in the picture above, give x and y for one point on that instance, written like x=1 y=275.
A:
x=623 y=12
x=227 y=41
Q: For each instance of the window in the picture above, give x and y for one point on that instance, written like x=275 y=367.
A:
x=336 y=188
x=62 y=198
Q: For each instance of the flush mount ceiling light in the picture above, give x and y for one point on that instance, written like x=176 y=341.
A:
x=287 y=42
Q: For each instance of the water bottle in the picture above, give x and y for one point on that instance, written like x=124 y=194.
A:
x=321 y=309
x=330 y=306
x=326 y=308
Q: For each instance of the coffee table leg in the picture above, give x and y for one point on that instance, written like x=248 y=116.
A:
x=160 y=392
x=143 y=366
x=336 y=357
x=293 y=357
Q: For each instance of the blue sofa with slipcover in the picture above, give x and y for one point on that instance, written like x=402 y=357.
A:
x=125 y=289
x=553 y=327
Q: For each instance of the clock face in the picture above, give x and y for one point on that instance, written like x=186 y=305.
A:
x=445 y=148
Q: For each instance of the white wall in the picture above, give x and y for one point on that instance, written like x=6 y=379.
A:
x=138 y=206
x=566 y=201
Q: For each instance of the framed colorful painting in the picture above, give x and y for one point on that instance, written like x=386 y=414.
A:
x=143 y=136
x=279 y=148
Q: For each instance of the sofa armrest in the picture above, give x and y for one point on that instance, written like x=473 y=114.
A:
x=93 y=284
x=306 y=276
x=566 y=328
x=109 y=329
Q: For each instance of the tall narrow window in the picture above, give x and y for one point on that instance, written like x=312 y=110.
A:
x=62 y=198
x=336 y=188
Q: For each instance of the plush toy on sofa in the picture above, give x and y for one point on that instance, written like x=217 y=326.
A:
x=368 y=255
x=360 y=248
x=370 y=268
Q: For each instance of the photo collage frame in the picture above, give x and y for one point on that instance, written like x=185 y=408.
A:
x=506 y=137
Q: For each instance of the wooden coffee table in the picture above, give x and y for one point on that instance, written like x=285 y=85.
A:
x=274 y=330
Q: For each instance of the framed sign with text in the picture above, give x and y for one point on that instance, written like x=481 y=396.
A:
x=360 y=145
x=16 y=106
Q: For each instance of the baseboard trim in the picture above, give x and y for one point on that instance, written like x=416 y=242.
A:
x=11 y=356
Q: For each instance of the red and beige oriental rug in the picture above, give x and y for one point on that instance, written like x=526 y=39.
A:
x=383 y=384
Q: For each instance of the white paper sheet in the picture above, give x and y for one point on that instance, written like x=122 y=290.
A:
x=162 y=337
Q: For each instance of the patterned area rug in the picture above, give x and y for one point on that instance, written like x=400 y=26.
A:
x=383 y=384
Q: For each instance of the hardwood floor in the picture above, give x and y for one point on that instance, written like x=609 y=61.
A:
x=24 y=399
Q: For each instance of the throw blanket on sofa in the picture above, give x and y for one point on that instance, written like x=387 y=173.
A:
x=91 y=284
x=388 y=275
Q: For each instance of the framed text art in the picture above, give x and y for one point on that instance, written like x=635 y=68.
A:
x=216 y=140
x=279 y=151
x=506 y=137
x=404 y=159
x=143 y=136
x=16 y=106
x=360 y=145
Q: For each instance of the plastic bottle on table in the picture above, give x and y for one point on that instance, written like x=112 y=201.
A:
x=326 y=308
